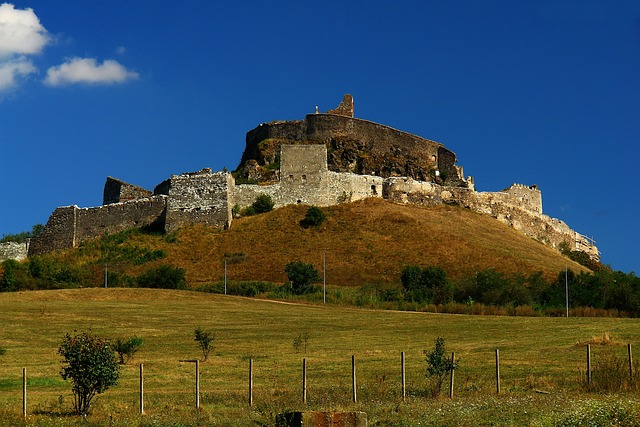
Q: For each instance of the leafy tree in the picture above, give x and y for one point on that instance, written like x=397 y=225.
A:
x=2 y=351
x=164 y=277
x=9 y=282
x=302 y=276
x=426 y=285
x=126 y=349
x=438 y=365
x=263 y=204
x=90 y=363
x=314 y=217
x=205 y=341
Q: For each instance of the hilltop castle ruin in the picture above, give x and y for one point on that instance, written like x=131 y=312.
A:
x=323 y=160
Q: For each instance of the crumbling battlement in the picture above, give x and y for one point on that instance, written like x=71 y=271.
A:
x=324 y=160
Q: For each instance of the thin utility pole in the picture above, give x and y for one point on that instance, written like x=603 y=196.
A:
x=324 y=277
x=566 y=286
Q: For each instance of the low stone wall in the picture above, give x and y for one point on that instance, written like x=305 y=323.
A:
x=14 y=250
x=334 y=188
x=68 y=226
x=113 y=218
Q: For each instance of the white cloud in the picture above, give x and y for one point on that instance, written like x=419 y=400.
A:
x=11 y=72
x=87 y=71
x=20 y=32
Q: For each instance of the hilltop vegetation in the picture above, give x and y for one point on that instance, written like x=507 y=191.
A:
x=367 y=246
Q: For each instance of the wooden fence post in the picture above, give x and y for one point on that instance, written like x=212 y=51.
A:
x=24 y=392
x=197 y=362
x=141 y=389
x=630 y=362
x=404 y=384
x=588 y=364
x=497 y=371
x=197 y=384
x=304 y=380
x=453 y=361
x=353 y=378
x=251 y=382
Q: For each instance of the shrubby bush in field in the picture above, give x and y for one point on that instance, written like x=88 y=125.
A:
x=439 y=366
x=90 y=363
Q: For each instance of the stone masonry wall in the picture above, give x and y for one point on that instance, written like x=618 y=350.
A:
x=304 y=179
x=518 y=206
x=354 y=145
x=59 y=232
x=113 y=218
x=69 y=226
x=116 y=191
x=14 y=250
x=199 y=198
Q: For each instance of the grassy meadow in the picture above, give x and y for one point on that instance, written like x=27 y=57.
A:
x=542 y=361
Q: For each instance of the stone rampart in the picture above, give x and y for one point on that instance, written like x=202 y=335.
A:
x=518 y=206
x=116 y=191
x=69 y=226
x=304 y=179
x=201 y=197
x=59 y=232
x=354 y=145
x=14 y=250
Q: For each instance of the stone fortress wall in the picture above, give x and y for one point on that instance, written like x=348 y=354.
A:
x=304 y=177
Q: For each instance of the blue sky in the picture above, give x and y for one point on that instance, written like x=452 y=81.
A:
x=544 y=92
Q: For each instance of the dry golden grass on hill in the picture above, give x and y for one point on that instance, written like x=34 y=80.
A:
x=365 y=242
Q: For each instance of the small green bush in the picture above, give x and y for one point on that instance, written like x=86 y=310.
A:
x=205 y=341
x=438 y=366
x=126 y=349
x=163 y=277
x=314 y=217
x=263 y=204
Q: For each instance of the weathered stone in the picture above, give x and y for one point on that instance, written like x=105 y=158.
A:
x=116 y=191
x=14 y=250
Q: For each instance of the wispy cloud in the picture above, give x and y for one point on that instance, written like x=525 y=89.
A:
x=21 y=34
x=12 y=71
x=88 y=71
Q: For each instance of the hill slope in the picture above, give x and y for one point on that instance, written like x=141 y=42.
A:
x=365 y=242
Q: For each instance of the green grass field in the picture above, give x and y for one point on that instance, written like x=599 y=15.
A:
x=542 y=361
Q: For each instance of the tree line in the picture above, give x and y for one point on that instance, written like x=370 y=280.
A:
x=602 y=289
